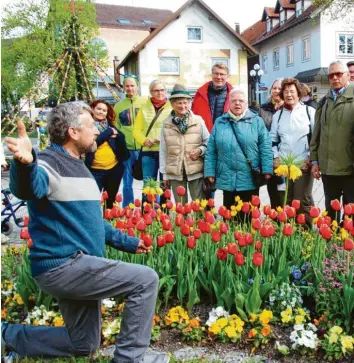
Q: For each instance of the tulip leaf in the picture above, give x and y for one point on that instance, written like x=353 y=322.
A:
x=228 y=298
x=253 y=298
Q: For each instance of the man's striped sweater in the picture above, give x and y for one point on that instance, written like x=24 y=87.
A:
x=64 y=209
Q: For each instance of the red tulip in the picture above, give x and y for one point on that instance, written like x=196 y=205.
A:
x=187 y=208
x=119 y=198
x=128 y=212
x=26 y=221
x=119 y=224
x=239 y=259
x=131 y=232
x=169 y=236
x=167 y=193
x=242 y=241
x=301 y=218
x=248 y=238
x=179 y=220
x=267 y=209
x=257 y=259
x=246 y=207
x=190 y=221
x=237 y=235
x=161 y=241
x=115 y=212
x=137 y=203
x=256 y=223
x=224 y=228
x=169 y=204
x=181 y=191
x=314 y=212
x=227 y=214
x=222 y=210
x=147 y=238
x=197 y=233
x=296 y=204
x=232 y=248
x=29 y=243
x=282 y=216
x=211 y=203
x=348 y=210
x=258 y=245
x=104 y=195
x=185 y=230
x=130 y=223
x=215 y=236
x=255 y=201
x=207 y=227
x=141 y=225
x=287 y=229
x=108 y=214
x=167 y=225
x=179 y=208
x=256 y=213
x=348 y=244
x=191 y=242
x=195 y=206
x=24 y=234
x=221 y=254
x=335 y=205
x=273 y=214
x=326 y=220
x=147 y=208
x=290 y=211
x=348 y=224
x=209 y=217
x=147 y=218
x=325 y=232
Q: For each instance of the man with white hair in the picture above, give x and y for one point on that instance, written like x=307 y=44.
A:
x=332 y=145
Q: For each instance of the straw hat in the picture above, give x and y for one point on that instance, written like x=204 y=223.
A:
x=179 y=91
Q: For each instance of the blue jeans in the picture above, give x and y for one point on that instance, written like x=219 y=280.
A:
x=151 y=165
x=79 y=285
x=128 y=193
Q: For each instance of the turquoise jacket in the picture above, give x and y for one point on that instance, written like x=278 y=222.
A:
x=224 y=159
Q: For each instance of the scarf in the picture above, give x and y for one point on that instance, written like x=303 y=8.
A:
x=158 y=103
x=288 y=107
x=236 y=118
x=180 y=122
x=336 y=93
x=102 y=126
x=277 y=105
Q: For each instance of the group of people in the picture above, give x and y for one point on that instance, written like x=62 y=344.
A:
x=215 y=138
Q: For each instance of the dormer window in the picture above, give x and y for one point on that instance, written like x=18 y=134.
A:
x=269 y=25
x=283 y=16
x=147 y=22
x=124 y=21
x=299 y=7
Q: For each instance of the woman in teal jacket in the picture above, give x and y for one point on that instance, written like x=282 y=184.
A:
x=225 y=162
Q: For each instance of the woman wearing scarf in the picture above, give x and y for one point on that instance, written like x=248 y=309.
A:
x=225 y=163
x=184 y=139
x=159 y=106
x=291 y=133
x=106 y=163
x=267 y=111
x=126 y=111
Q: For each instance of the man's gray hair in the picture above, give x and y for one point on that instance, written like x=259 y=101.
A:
x=343 y=68
x=238 y=90
x=62 y=117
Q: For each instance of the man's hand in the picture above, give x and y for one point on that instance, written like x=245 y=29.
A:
x=267 y=176
x=316 y=171
x=166 y=183
x=142 y=248
x=211 y=179
x=276 y=163
x=148 y=143
x=195 y=153
x=22 y=146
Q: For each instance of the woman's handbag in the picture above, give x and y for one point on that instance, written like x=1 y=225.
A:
x=138 y=165
x=256 y=173
x=208 y=187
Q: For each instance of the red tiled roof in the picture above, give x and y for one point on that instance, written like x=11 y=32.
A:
x=293 y=21
x=271 y=12
x=107 y=15
x=254 y=31
x=286 y=4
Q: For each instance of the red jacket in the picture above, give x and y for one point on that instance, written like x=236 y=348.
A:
x=201 y=105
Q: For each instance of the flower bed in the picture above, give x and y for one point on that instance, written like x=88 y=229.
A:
x=272 y=274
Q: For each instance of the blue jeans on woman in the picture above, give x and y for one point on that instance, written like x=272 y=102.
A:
x=151 y=165
x=128 y=193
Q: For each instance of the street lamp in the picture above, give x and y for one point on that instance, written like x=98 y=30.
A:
x=256 y=73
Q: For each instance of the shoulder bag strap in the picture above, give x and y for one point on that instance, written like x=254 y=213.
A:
x=241 y=147
x=309 y=135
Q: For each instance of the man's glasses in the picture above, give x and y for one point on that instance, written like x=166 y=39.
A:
x=158 y=90
x=220 y=74
x=336 y=74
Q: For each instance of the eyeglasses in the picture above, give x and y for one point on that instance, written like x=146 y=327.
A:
x=219 y=74
x=238 y=101
x=158 y=90
x=289 y=92
x=337 y=74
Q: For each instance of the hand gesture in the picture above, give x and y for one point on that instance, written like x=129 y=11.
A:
x=195 y=153
x=276 y=163
x=148 y=143
x=211 y=179
x=142 y=248
x=21 y=147
x=316 y=171
x=166 y=183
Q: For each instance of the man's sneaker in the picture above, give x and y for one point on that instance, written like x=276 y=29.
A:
x=6 y=355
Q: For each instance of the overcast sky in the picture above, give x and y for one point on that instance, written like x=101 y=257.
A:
x=232 y=11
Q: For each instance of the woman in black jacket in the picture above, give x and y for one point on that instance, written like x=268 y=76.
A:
x=106 y=163
x=267 y=111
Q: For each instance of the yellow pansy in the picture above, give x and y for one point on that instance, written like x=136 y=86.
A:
x=230 y=332
x=295 y=172
x=301 y=312
x=215 y=329
x=336 y=329
x=253 y=317
x=222 y=322
x=265 y=317
x=282 y=170
x=18 y=299
x=347 y=343
x=333 y=338
x=58 y=321
x=299 y=319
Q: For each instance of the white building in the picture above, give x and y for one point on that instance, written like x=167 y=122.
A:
x=300 y=41
x=184 y=48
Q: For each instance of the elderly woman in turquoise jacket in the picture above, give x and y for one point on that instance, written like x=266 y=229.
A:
x=225 y=163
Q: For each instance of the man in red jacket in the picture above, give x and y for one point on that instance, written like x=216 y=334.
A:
x=212 y=99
